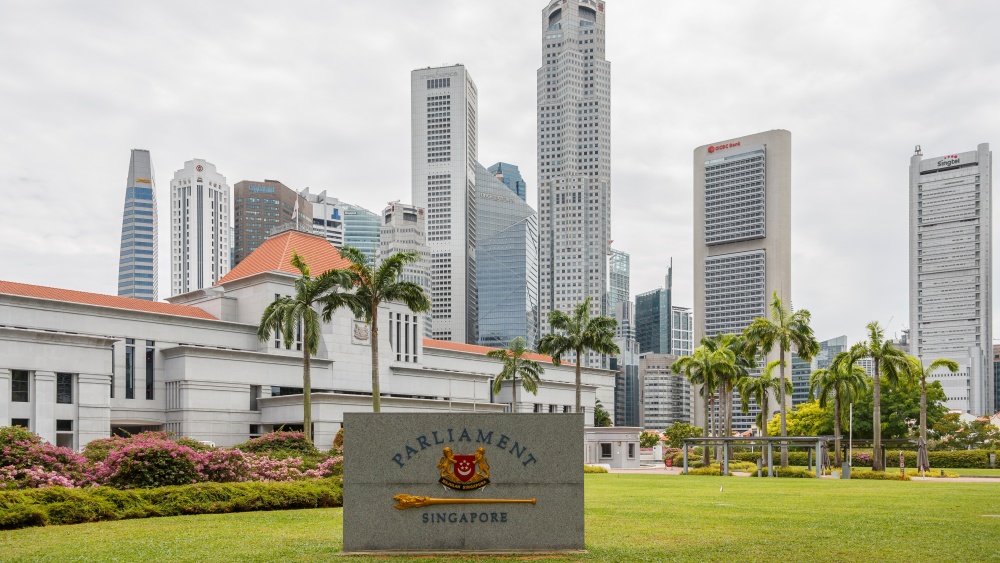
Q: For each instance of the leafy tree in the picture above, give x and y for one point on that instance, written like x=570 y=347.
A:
x=918 y=371
x=843 y=380
x=946 y=427
x=579 y=333
x=371 y=286
x=978 y=434
x=287 y=315
x=601 y=417
x=516 y=365
x=806 y=419
x=701 y=368
x=648 y=439
x=761 y=389
x=731 y=372
x=676 y=432
x=786 y=329
x=889 y=362
x=899 y=409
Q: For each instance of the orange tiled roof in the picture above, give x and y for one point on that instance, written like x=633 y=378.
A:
x=275 y=255
x=100 y=300
x=474 y=349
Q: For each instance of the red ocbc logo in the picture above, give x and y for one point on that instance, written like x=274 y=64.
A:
x=713 y=148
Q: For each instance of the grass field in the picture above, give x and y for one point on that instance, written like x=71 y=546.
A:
x=629 y=518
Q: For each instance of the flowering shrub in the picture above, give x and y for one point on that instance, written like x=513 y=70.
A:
x=148 y=460
x=284 y=442
x=28 y=461
x=98 y=450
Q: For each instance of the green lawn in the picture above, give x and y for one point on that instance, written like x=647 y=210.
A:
x=629 y=518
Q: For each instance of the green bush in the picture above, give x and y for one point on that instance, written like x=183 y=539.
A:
x=289 y=444
x=790 y=473
x=58 y=505
x=594 y=469
x=747 y=456
x=742 y=466
x=965 y=459
x=710 y=470
x=878 y=475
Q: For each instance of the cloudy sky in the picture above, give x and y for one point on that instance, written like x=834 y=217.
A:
x=317 y=94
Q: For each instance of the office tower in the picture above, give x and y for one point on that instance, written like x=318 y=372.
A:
x=801 y=371
x=742 y=235
x=510 y=175
x=444 y=137
x=506 y=264
x=682 y=331
x=996 y=378
x=653 y=317
x=574 y=163
x=666 y=396
x=327 y=218
x=362 y=229
x=628 y=406
x=200 y=243
x=618 y=279
x=261 y=208
x=137 y=262
x=404 y=229
x=951 y=281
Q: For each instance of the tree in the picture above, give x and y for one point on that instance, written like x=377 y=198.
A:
x=731 y=371
x=899 y=409
x=701 y=368
x=918 y=371
x=888 y=362
x=676 y=432
x=287 y=317
x=579 y=333
x=601 y=417
x=372 y=285
x=843 y=380
x=648 y=439
x=760 y=389
x=806 y=419
x=786 y=329
x=516 y=365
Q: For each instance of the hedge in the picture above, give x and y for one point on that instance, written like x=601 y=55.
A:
x=59 y=505
x=789 y=473
x=594 y=469
x=878 y=476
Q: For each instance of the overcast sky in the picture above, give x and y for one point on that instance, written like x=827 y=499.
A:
x=317 y=94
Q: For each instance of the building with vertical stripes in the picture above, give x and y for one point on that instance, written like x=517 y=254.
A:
x=137 y=262
x=200 y=243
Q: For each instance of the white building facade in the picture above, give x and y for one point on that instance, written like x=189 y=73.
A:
x=77 y=366
x=574 y=161
x=444 y=112
x=404 y=229
x=200 y=243
x=951 y=279
x=328 y=216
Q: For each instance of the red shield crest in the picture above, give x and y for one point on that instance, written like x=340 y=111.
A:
x=465 y=467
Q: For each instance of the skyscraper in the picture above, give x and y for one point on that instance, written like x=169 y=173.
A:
x=951 y=281
x=510 y=175
x=618 y=279
x=574 y=164
x=628 y=406
x=682 y=331
x=666 y=396
x=200 y=246
x=742 y=235
x=404 y=229
x=328 y=217
x=506 y=264
x=653 y=317
x=137 y=262
x=259 y=208
x=443 y=151
x=362 y=229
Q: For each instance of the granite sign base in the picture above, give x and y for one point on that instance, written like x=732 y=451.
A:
x=447 y=483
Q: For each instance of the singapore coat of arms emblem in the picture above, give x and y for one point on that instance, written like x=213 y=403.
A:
x=464 y=472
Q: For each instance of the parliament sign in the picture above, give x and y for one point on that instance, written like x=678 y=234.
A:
x=463 y=482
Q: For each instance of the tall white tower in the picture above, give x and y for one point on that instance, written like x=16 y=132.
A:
x=574 y=163
x=444 y=136
x=951 y=280
x=199 y=227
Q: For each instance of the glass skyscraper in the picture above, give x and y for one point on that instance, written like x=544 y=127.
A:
x=506 y=264
x=137 y=263
x=510 y=175
x=361 y=229
x=618 y=279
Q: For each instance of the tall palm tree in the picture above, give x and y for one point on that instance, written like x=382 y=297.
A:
x=702 y=368
x=285 y=316
x=516 y=365
x=918 y=371
x=844 y=379
x=579 y=333
x=731 y=371
x=786 y=329
x=760 y=389
x=370 y=286
x=888 y=362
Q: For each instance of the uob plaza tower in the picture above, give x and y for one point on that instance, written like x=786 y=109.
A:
x=574 y=164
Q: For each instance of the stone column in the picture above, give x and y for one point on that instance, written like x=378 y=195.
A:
x=93 y=407
x=44 y=397
x=4 y=397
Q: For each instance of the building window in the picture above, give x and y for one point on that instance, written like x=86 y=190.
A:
x=64 y=433
x=631 y=450
x=22 y=422
x=19 y=387
x=255 y=431
x=605 y=450
x=64 y=388
x=129 y=368
x=538 y=407
x=254 y=397
x=150 y=380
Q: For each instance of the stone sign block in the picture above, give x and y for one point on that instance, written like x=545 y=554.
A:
x=463 y=481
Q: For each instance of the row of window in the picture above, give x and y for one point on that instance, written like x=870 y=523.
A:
x=20 y=387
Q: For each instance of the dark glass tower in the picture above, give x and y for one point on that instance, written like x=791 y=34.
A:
x=137 y=264
x=510 y=175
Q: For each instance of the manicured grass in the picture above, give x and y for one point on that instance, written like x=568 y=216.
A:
x=629 y=518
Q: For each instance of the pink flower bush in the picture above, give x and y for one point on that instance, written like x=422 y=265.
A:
x=28 y=461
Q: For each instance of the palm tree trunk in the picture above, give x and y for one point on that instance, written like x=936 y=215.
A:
x=923 y=407
x=376 y=390
x=579 y=381
x=876 y=421
x=781 y=395
x=708 y=427
x=513 y=394
x=763 y=432
x=836 y=428
x=306 y=393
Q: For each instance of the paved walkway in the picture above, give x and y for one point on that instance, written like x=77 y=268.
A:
x=660 y=470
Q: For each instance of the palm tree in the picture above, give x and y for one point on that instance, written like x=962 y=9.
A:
x=287 y=315
x=844 y=380
x=579 y=333
x=760 y=389
x=787 y=329
x=371 y=285
x=917 y=370
x=702 y=368
x=731 y=371
x=888 y=362
x=514 y=365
